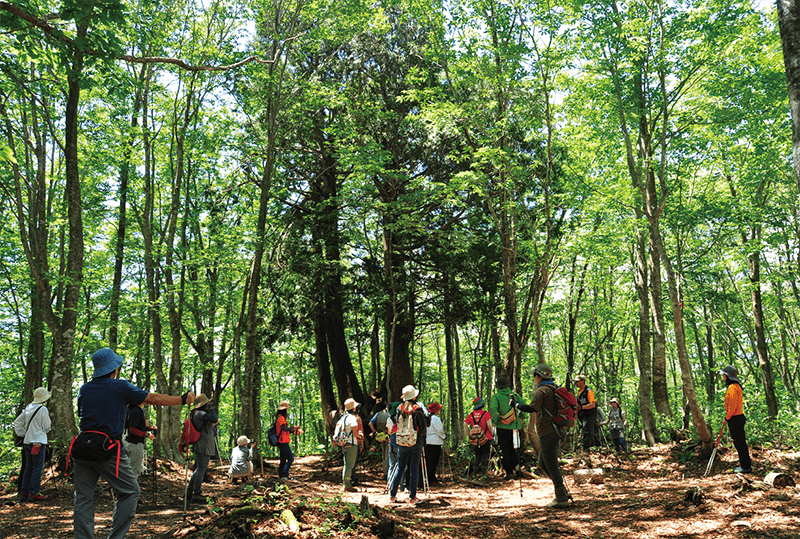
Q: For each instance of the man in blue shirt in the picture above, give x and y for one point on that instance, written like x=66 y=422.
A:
x=102 y=405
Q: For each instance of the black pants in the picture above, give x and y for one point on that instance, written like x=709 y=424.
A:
x=505 y=437
x=480 y=464
x=588 y=427
x=432 y=455
x=736 y=426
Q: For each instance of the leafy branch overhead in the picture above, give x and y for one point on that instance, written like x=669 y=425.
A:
x=59 y=36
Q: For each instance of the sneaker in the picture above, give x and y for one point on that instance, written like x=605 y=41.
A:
x=739 y=469
x=37 y=497
x=393 y=499
x=558 y=503
x=414 y=501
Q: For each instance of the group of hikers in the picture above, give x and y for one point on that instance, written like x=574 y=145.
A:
x=411 y=435
x=409 y=432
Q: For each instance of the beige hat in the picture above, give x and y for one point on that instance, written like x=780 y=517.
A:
x=349 y=404
x=200 y=400
x=284 y=405
x=40 y=395
x=409 y=393
x=242 y=440
x=580 y=377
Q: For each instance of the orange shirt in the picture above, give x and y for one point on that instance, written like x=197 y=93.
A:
x=734 y=401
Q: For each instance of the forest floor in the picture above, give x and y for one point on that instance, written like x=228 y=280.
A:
x=657 y=492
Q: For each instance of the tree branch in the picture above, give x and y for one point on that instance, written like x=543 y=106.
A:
x=57 y=35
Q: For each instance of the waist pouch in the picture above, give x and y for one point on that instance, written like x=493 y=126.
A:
x=95 y=446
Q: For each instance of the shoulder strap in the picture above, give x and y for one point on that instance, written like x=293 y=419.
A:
x=28 y=423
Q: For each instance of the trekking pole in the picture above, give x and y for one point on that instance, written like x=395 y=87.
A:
x=425 y=484
x=714 y=452
x=185 y=482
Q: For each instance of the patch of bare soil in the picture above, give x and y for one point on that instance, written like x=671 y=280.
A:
x=649 y=493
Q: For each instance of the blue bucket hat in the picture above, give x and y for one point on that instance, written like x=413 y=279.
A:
x=477 y=403
x=105 y=361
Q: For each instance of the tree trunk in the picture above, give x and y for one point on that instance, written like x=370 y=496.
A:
x=643 y=350
x=789 y=25
x=680 y=342
x=754 y=263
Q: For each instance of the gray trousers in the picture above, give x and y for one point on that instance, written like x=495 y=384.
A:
x=136 y=455
x=126 y=490
x=349 y=454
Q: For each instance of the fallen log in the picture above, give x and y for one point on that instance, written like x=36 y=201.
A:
x=779 y=480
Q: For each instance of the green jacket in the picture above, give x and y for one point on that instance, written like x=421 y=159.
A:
x=499 y=405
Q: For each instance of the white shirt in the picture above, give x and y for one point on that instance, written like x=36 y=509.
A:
x=435 y=431
x=38 y=427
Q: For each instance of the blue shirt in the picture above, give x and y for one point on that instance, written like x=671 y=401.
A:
x=102 y=404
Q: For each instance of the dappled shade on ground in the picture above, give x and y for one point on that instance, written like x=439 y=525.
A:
x=650 y=493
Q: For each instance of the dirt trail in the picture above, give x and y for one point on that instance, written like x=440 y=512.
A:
x=647 y=494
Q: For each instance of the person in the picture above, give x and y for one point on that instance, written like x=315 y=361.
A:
x=616 y=425
x=587 y=412
x=413 y=415
x=434 y=442
x=138 y=431
x=349 y=424
x=544 y=400
x=33 y=424
x=242 y=460
x=205 y=419
x=394 y=449
x=478 y=429
x=735 y=418
x=284 y=433
x=361 y=446
x=102 y=404
x=380 y=434
x=508 y=424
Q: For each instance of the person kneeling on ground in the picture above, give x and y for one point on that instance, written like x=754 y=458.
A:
x=544 y=401
x=242 y=460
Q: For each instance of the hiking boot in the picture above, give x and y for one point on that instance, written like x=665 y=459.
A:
x=558 y=503
x=739 y=469
x=37 y=497
x=414 y=501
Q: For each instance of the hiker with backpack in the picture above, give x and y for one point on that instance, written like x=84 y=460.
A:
x=284 y=432
x=138 y=431
x=380 y=434
x=32 y=425
x=205 y=420
x=412 y=428
x=508 y=425
x=346 y=437
x=545 y=405
x=102 y=404
x=587 y=412
x=616 y=425
x=478 y=429
x=434 y=442
x=391 y=426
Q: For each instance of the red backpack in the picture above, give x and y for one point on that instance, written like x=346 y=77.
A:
x=566 y=407
x=189 y=435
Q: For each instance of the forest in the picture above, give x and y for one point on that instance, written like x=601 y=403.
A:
x=305 y=200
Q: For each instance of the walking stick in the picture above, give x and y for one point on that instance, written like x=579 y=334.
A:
x=425 y=484
x=714 y=452
x=185 y=482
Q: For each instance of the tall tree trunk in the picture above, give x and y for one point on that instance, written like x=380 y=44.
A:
x=64 y=332
x=449 y=346
x=119 y=258
x=789 y=25
x=643 y=350
x=754 y=263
